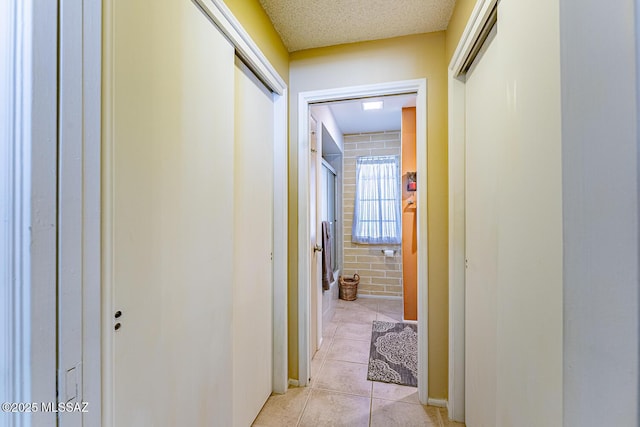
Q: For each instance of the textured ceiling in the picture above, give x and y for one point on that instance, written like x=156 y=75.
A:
x=305 y=24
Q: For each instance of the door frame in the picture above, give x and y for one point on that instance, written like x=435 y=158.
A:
x=318 y=298
x=28 y=205
x=79 y=258
x=419 y=87
x=51 y=198
x=480 y=15
x=252 y=56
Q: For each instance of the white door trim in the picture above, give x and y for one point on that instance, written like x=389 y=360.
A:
x=456 y=404
x=418 y=86
x=28 y=146
x=14 y=213
x=79 y=322
x=15 y=198
x=479 y=16
x=107 y=196
x=248 y=50
x=280 y=244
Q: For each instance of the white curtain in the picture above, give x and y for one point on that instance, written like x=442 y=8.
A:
x=376 y=218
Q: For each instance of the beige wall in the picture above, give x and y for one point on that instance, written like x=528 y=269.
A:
x=402 y=58
x=379 y=275
x=457 y=23
x=257 y=23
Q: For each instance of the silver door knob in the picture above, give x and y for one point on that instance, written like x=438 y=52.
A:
x=317 y=248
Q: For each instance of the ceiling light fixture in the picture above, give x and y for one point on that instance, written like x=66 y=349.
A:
x=372 y=105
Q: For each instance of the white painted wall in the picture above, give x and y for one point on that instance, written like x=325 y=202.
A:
x=331 y=136
x=600 y=200
x=323 y=115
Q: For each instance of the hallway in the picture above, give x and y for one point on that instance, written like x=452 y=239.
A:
x=340 y=394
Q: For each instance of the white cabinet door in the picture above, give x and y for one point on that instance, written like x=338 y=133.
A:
x=170 y=220
x=253 y=246
x=483 y=116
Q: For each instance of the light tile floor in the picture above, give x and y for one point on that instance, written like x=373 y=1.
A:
x=340 y=394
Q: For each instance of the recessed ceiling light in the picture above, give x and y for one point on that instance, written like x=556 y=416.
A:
x=372 y=105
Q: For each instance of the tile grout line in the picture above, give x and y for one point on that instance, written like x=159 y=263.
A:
x=339 y=392
x=440 y=421
x=304 y=407
x=310 y=386
x=396 y=400
x=306 y=402
x=371 y=405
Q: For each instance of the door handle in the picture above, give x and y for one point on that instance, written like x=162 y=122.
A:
x=317 y=248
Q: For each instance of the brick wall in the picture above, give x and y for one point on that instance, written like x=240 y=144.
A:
x=379 y=275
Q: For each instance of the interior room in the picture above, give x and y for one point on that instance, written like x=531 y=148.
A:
x=370 y=138
x=346 y=131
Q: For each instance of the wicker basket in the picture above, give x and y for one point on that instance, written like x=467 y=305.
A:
x=349 y=287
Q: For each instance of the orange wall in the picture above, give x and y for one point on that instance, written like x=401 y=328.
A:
x=409 y=220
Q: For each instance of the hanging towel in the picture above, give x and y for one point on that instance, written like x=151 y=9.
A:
x=327 y=268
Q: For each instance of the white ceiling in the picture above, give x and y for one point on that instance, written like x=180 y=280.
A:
x=305 y=24
x=351 y=118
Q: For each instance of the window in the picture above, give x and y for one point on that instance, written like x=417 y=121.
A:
x=376 y=217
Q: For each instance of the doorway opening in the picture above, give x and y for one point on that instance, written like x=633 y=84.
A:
x=317 y=123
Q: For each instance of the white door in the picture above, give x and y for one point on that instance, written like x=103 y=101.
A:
x=483 y=115
x=316 y=239
x=253 y=246
x=316 y=288
x=169 y=192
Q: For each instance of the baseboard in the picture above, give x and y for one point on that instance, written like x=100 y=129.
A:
x=380 y=297
x=293 y=382
x=440 y=403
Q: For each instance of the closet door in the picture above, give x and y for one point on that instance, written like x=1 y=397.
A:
x=169 y=74
x=483 y=124
x=253 y=246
